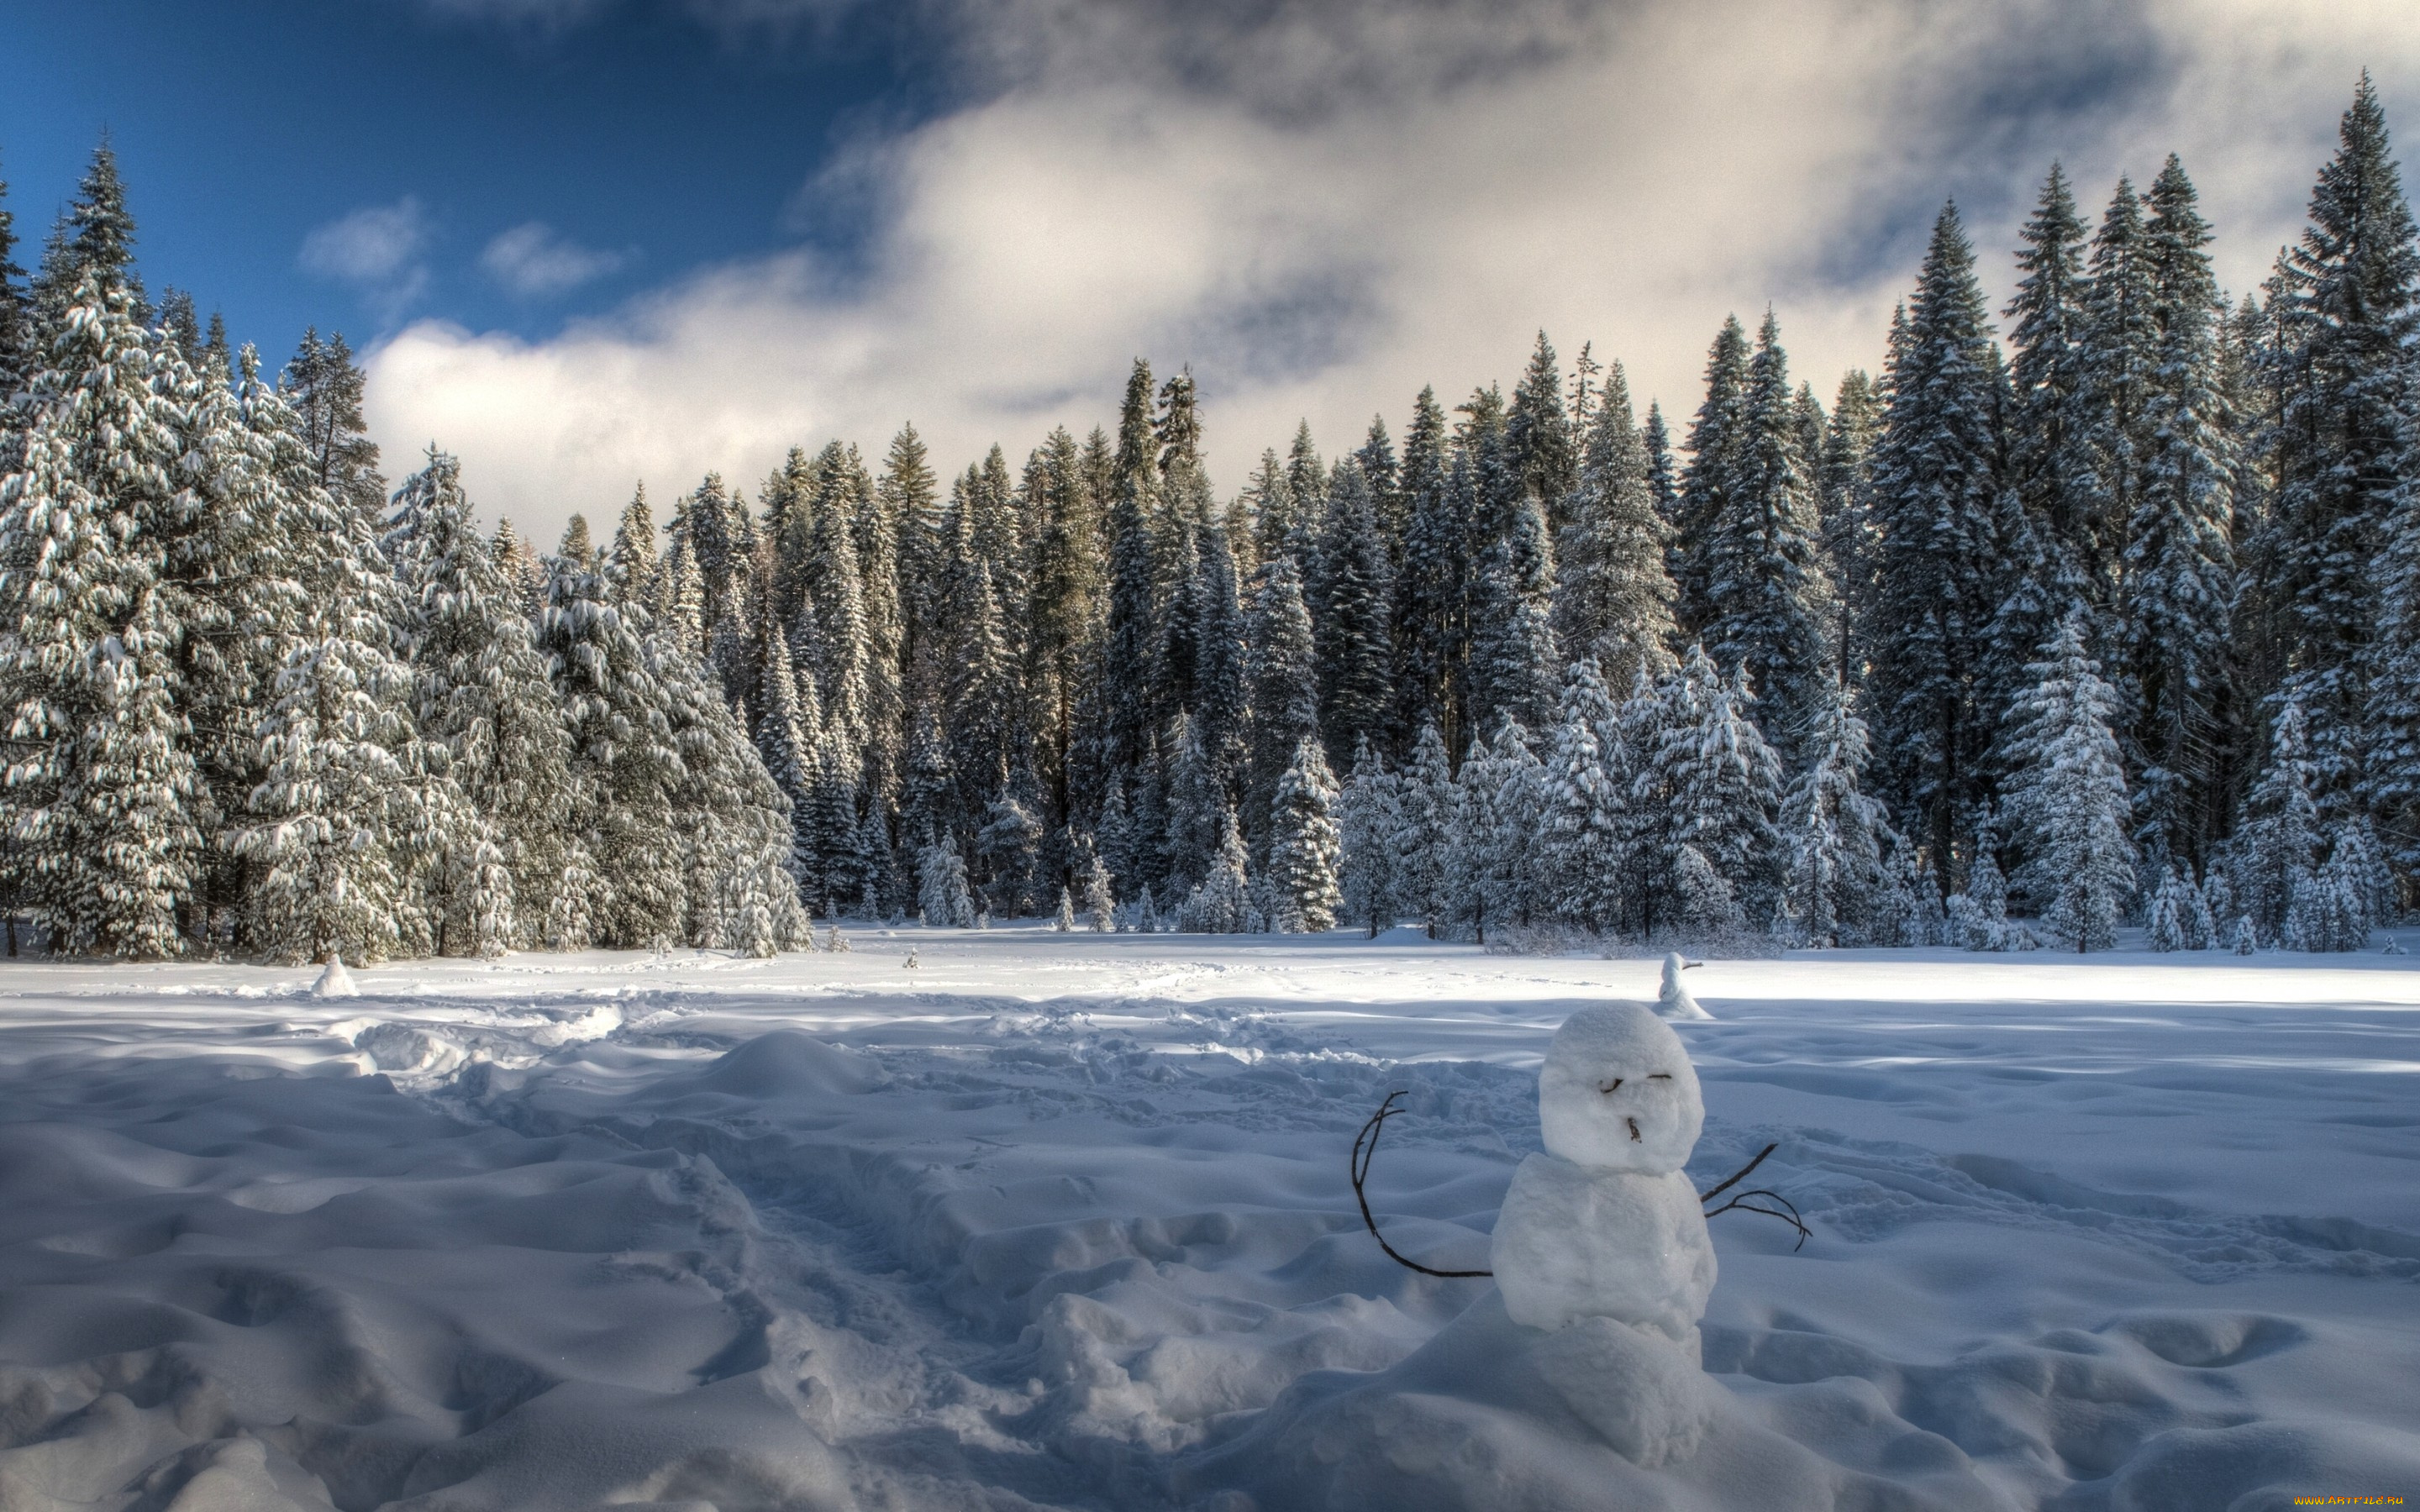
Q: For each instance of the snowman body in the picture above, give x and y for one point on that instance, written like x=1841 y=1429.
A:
x=1604 y=1223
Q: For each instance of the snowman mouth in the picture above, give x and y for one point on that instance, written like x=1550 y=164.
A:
x=1634 y=1131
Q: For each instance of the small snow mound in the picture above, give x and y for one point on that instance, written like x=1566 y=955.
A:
x=399 y=1047
x=334 y=981
x=786 y=1063
x=1674 y=1001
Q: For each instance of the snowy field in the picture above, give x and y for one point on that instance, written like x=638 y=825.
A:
x=1064 y=1221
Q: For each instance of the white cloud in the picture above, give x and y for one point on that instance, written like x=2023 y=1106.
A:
x=377 y=248
x=1323 y=207
x=531 y=261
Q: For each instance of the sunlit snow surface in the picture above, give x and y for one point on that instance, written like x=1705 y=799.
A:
x=1062 y=1220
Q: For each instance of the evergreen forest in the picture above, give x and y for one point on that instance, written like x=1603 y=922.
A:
x=2097 y=610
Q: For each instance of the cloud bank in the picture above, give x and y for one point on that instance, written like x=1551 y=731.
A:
x=1322 y=207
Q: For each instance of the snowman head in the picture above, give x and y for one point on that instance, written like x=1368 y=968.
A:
x=1618 y=1092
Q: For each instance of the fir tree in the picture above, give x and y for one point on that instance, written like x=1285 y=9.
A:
x=1579 y=842
x=1934 y=489
x=2069 y=801
x=2120 y=353
x=481 y=693
x=1130 y=671
x=1705 y=494
x=1352 y=636
x=1222 y=903
x=1305 y=852
x=17 y=344
x=1424 y=835
x=1513 y=659
x=2178 y=597
x=2054 y=420
x=101 y=773
x=1850 y=548
x=1367 y=819
x=2278 y=834
x=1836 y=834
x=1432 y=590
x=324 y=389
x=942 y=895
x=1758 y=562
x=624 y=764
x=1538 y=432
x=2348 y=308
x=1613 y=598
x=1285 y=682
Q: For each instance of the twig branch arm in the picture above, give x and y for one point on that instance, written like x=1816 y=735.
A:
x=1365 y=1150
x=1737 y=1177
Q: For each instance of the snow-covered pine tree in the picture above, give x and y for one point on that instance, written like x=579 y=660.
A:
x=782 y=740
x=2277 y=834
x=1704 y=906
x=1304 y=854
x=1579 y=844
x=1836 y=834
x=1065 y=921
x=1222 y=903
x=1847 y=505
x=1130 y=666
x=1368 y=817
x=631 y=561
x=1010 y=845
x=2068 y=800
x=734 y=819
x=1497 y=814
x=1758 y=560
x=1432 y=590
x=1705 y=490
x=1195 y=799
x=839 y=866
x=1713 y=785
x=2200 y=924
x=623 y=758
x=1977 y=916
x=2348 y=308
x=1538 y=432
x=2164 y=921
x=1285 y=682
x=2055 y=404
x=2326 y=914
x=1613 y=599
x=2120 y=341
x=480 y=690
x=332 y=869
x=1513 y=659
x=323 y=387
x=101 y=773
x=905 y=489
x=1424 y=834
x=942 y=895
x=1100 y=907
x=2177 y=599
x=1935 y=493
x=1351 y=629
x=18 y=347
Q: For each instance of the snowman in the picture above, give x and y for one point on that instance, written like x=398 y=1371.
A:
x=1674 y=1001
x=1606 y=1223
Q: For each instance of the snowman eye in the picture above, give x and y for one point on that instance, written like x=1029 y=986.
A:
x=1659 y=1075
x=1610 y=1087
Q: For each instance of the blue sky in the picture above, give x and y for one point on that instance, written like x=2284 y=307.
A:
x=647 y=140
x=588 y=243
